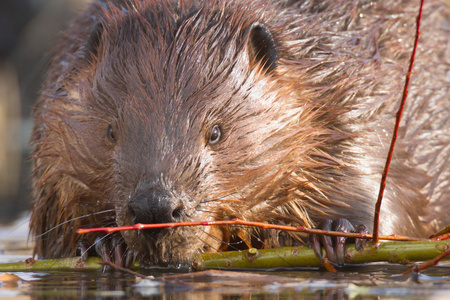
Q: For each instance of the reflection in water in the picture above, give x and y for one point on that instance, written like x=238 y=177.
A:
x=369 y=282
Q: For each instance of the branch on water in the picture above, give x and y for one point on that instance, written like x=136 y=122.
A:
x=288 y=257
x=392 y=252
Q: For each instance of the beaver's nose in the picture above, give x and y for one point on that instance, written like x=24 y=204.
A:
x=154 y=206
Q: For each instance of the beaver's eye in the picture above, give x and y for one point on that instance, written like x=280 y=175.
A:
x=111 y=135
x=215 y=135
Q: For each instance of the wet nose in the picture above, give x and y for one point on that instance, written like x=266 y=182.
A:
x=153 y=207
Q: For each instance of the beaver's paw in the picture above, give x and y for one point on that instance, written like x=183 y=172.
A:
x=334 y=246
x=110 y=250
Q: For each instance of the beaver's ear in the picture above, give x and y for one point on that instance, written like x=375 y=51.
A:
x=103 y=9
x=261 y=48
x=91 y=49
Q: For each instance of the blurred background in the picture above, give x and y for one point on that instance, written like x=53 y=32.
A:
x=28 y=29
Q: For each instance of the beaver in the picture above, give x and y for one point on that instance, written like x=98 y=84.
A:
x=271 y=111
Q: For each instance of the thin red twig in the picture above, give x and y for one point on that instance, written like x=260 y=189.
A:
x=442 y=237
x=246 y=223
x=395 y=134
x=442 y=234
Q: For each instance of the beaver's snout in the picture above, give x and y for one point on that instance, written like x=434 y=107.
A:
x=154 y=206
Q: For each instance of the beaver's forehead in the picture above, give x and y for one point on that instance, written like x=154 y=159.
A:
x=164 y=23
x=190 y=91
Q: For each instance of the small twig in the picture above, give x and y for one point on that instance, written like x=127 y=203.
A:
x=441 y=237
x=247 y=223
x=126 y=270
x=395 y=134
x=430 y=263
x=328 y=266
x=441 y=234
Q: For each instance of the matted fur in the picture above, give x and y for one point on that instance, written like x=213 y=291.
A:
x=302 y=143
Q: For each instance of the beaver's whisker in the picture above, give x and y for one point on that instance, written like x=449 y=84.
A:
x=73 y=219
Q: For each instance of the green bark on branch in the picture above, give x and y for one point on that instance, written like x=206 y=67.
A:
x=392 y=252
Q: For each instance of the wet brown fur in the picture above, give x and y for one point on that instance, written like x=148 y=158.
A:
x=301 y=143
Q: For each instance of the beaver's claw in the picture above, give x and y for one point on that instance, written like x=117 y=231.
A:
x=110 y=250
x=334 y=246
